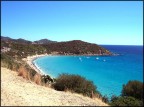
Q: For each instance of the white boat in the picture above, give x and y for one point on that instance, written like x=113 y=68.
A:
x=97 y=58
x=80 y=59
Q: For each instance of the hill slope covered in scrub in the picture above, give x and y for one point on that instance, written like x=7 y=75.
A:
x=14 y=50
x=22 y=48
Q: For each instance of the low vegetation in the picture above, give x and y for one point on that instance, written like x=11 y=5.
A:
x=126 y=101
x=133 y=89
x=24 y=69
x=132 y=95
x=37 y=79
x=21 y=67
x=20 y=50
x=75 y=83
x=132 y=92
x=9 y=62
x=76 y=47
x=23 y=72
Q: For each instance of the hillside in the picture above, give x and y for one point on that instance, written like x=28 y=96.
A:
x=10 y=40
x=21 y=48
x=43 y=41
x=16 y=91
x=12 y=52
x=23 y=41
x=76 y=47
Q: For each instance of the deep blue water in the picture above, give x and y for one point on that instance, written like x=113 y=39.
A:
x=108 y=73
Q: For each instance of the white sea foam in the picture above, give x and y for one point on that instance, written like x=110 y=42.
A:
x=39 y=69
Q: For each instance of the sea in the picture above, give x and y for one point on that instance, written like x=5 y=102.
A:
x=108 y=73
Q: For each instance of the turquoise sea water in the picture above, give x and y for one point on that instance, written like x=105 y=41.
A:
x=108 y=73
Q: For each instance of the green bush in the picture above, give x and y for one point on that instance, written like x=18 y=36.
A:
x=75 y=83
x=9 y=62
x=134 y=89
x=132 y=95
x=46 y=79
x=113 y=98
x=105 y=99
x=126 y=101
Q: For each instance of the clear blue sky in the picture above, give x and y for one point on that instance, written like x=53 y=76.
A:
x=112 y=22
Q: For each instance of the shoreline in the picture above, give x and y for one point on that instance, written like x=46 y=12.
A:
x=29 y=60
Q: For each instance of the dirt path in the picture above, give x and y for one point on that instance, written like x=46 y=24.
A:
x=16 y=91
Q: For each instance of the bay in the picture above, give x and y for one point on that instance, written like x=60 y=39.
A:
x=108 y=73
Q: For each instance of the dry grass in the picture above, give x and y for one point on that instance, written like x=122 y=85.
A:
x=97 y=97
x=37 y=79
x=92 y=94
x=29 y=78
x=15 y=95
x=23 y=72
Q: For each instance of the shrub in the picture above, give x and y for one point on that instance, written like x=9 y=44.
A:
x=23 y=69
x=23 y=72
x=37 y=79
x=9 y=62
x=31 y=72
x=134 y=89
x=113 y=98
x=105 y=99
x=47 y=79
x=75 y=83
x=126 y=101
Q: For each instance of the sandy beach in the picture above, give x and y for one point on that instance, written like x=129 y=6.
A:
x=16 y=91
x=29 y=60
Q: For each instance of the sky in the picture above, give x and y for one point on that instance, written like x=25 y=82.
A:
x=100 y=22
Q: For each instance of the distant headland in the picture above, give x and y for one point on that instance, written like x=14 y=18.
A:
x=23 y=48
